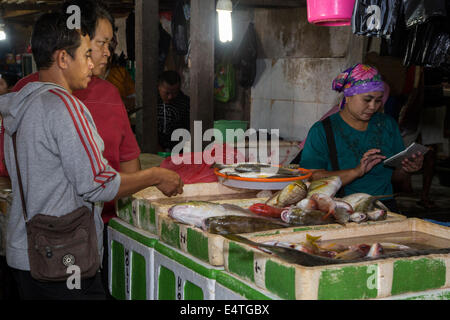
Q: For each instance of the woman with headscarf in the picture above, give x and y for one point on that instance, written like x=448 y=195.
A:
x=363 y=138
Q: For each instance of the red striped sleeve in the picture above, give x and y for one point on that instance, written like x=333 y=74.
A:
x=91 y=136
x=89 y=145
x=87 y=132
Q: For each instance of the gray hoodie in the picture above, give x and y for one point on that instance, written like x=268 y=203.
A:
x=60 y=159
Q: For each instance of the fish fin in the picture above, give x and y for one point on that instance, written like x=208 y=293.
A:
x=312 y=240
x=381 y=205
x=330 y=212
x=237 y=238
x=275 y=195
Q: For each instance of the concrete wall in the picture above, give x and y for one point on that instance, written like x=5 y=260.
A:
x=296 y=64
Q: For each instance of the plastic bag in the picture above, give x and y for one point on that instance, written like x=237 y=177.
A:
x=245 y=60
x=180 y=28
x=428 y=44
x=375 y=17
x=191 y=172
x=419 y=11
x=224 y=82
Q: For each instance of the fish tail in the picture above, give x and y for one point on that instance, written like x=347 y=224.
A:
x=237 y=238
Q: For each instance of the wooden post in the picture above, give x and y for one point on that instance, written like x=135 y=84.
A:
x=146 y=49
x=202 y=34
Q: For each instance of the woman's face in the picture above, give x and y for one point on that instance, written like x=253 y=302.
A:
x=363 y=106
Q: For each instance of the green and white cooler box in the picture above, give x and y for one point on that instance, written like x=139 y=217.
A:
x=417 y=277
x=142 y=268
x=131 y=261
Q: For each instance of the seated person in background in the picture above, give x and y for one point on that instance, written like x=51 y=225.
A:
x=173 y=109
x=363 y=136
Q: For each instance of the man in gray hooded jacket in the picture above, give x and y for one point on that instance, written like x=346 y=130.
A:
x=60 y=153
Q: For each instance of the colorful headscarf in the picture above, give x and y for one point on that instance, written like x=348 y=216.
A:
x=360 y=78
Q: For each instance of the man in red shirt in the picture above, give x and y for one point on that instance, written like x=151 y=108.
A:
x=104 y=103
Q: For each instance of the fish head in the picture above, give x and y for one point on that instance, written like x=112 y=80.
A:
x=377 y=214
x=375 y=250
x=285 y=215
x=341 y=215
x=358 y=217
x=324 y=202
x=307 y=204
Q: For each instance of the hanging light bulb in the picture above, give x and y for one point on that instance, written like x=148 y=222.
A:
x=224 y=8
x=2 y=30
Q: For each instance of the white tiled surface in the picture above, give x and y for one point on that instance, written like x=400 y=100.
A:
x=292 y=94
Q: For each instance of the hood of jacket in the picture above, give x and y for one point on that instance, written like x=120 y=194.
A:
x=14 y=105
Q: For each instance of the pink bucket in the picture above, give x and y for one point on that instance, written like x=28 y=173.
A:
x=330 y=12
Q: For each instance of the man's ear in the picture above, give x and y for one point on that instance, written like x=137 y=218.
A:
x=62 y=58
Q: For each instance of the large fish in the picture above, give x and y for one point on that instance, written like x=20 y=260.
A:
x=298 y=216
x=240 y=224
x=287 y=254
x=290 y=194
x=257 y=171
x=355 y=254
x=195 y=212
x=328 y=186
x=363 y=202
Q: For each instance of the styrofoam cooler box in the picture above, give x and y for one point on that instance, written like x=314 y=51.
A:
x=229 y=287
x=179 y=276
x=131 y=261
x=425 y=295
x=124 y=210
x=371 y=279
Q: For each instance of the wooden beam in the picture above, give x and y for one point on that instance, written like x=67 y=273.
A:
x=269 y=3
x=146 y=49
x=18 y=13
x=202 y=34
x=29 y=6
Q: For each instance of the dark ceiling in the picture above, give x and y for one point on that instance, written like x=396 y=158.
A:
x=25 y=11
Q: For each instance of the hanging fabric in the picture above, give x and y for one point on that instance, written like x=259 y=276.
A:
x=245 y=59
x=180 y=27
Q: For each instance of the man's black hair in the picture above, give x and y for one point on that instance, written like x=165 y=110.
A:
x=170 y=77
x=91 y=12
x=50 y=33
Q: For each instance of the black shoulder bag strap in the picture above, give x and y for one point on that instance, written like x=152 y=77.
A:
x=332 y=150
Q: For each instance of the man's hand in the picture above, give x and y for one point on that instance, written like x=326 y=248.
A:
x=170 y=182
x=369 y=160
x=413 y=164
